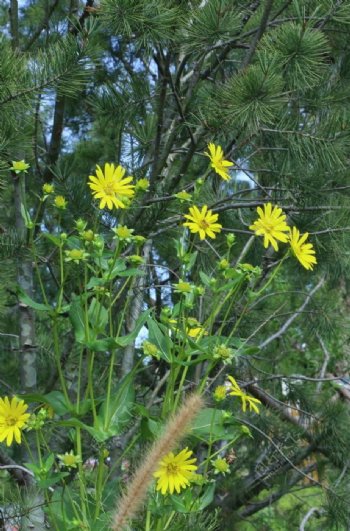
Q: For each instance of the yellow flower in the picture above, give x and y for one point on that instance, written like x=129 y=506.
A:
x=218 y=163
x=272 y=225
x=220 y=466
x=194 y=328
x=219 y=393
x=195 y=332
x=175 y=471
x=123 y=232
x=182 y=287
x=142 y=185
x=60 y=202
x=69 y=459
x=13 y=418
x=304 y=252
x=235 y=390
x=76 y=255
x=48 y=188
x=111 y=187
x=19 y=166
x=202 y=221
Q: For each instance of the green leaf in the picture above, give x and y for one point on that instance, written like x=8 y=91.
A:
x=214 y=424
x=158 y=335
x=130 y=338
x=102 y=345
x=52 y=480
x=25 y=299
x=187 y=503
x=205 y=279
x=77 y=318
x=26 y=217
x=207 y=496
x=54 y=239
x=98 y=316
x=115 y=414
x=132 y=272
x=57 y=401
x=94 y=281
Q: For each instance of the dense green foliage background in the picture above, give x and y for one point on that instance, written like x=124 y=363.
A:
x=148 y=84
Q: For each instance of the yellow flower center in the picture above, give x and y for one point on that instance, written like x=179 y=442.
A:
x=109 y=189
x=76 y=254
x=172 y=468
x=69 y=459
x=268 y=226
x=11 y=421
x=203 y=224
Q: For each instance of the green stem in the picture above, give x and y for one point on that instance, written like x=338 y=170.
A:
x=148 y=521
x=57 y=352
x=60 y=295
x=274 y=273
x=81 y=474
x=99 y=483
x=210 y=445
x=169 y=520
x=80 y=369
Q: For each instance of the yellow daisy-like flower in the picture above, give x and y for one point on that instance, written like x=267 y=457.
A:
x=304 y=252
x=175 y=472
x=69 y=459
x=217 y=161
x=111 y=187
x=272 y=225
x=235 y=390
x=13 y=418
x=19 y=166
x=202 y=221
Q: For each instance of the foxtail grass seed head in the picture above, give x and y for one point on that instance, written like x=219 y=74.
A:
x=173 y=432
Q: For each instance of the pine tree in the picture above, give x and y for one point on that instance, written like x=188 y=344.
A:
x=149 y=84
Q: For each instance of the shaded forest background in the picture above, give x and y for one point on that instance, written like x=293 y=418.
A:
x=148 y=84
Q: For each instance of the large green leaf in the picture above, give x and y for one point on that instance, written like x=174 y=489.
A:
x=187 y=503
x=115 y=414
x=98 y=316
x=28 y=301
x=158 y=335
x=215 y=424
x=130 y=338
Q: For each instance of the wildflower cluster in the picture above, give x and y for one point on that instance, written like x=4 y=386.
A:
x=272 y=225
x=187 y=338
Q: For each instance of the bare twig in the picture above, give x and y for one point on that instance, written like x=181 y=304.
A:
x=292 y=318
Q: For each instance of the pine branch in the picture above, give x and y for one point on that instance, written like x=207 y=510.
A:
x=44 y=25
x=259 y=33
